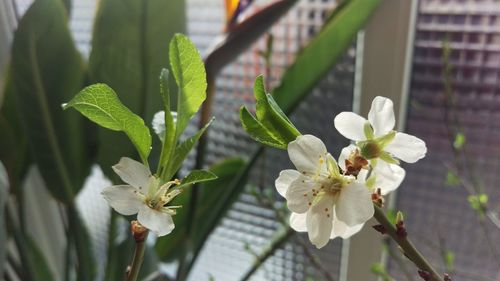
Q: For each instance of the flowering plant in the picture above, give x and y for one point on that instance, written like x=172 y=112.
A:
x=148 y=194
x=330 y=199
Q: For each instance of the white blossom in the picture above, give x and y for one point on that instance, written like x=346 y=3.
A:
x=376 y=138
x=385 y=176
x=143 y=196
x=324 y=202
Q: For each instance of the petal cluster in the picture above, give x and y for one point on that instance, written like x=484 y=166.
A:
x=376 y=137
x=142 y=196
x=331 y=200
x=324 y=201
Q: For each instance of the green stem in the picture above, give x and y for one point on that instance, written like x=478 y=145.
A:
x=275 y=245
x=409 y=249
x=140 y=246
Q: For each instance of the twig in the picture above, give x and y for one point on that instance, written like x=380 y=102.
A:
x=409 y=249
x=140 y=246
x=275 y=245
x=399 y=261
x=460 y=156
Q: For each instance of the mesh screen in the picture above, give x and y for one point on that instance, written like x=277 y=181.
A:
x=433 y=209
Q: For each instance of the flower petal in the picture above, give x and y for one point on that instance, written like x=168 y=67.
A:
x=308 y=154
x=340 y=229
x=284 y=180
x=125 y=199
x=299 y=194
x=132 y=172
x=350 y=125
x=319 y=221
x=381 y=116
x=388 y=177
x=354 y=204
x=298 y=222
x=344 y=154
x=156 y=221
x=406 y=147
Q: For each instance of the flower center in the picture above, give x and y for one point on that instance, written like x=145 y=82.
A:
x=370 y=150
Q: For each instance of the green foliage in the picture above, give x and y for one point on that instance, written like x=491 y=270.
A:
x=449 y=260
x=101 y=105
x=478 y=202
x=189 y=73
x=452 y=179
x=270 y=126
x=129 y=49
x=459 y=141
x=197 y=176
x=181 y=152
x=379 y=270
x=46 y=70
x=169 y=139
x=323 y=51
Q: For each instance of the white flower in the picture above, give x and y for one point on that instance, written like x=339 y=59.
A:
x=376 y=138
x=143 y=196
x=384 y=175
x=324 y=202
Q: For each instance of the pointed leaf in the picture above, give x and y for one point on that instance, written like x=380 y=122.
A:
x=101 y=105
x=57 y=139
x=181 y=152
x=271 y=117
x=197 y=176
x=257 y=131
x=169 y=139
x=189 y=72
x=129 y=50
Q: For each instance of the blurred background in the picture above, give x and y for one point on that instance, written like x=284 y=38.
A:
x=437 y=59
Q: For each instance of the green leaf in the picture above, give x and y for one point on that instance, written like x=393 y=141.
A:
x=271 y=127
x=129 y=50
x=197 y=176
x=449 y=260
x=452 y=179
x=323 y=51
x=271 y=116
x=459 y=141
x=478 y=202
x=46 y=71
x=170 y=136
x=4 y=192
x=181 y=152
x=257 y=131
x=101 y=105
x=189 y=72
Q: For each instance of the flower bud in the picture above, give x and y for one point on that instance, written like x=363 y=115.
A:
x=138 y=231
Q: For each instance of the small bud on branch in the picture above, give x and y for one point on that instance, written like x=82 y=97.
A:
x=138 y=231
